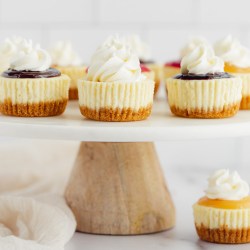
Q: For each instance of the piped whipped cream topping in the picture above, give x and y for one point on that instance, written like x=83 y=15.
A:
x=192 y=44
x=30 y=57
x=233 y=52
x=201 y=60
x=62 y=54
x=140 y=48
x=114 y=61
x=224 y=185
x=7 y=50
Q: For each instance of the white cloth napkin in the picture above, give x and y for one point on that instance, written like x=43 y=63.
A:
x=33 y=212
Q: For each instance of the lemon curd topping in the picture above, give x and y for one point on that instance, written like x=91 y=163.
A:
x=225 y=204
x=230 y=68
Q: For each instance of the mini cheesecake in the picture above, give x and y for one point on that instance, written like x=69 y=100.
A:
x=147 y=72
x=68 y=62
x=203 y=89
x=29 y=88
x=33 y=94
x=215 y=95
x=221 y=220
x=244 y=75
x=171 y=69
x=74 y=73
x=115 y=88
x=157 y=70
x=237 y=62
x=116 y=101
x=150 y=74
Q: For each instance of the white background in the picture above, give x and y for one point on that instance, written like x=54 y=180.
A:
x=164 y=24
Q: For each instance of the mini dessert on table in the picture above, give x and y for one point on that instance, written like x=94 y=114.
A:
x=173 y=68
x=237 y=63
x=8 y=49
x=142 y=50
x=66 y=60
x=114 y=88
x=223 y=215
x=30 y=88
x=203 y=89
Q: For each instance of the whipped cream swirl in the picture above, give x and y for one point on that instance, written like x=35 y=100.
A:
x=233 y=52
x=201 y=60
x=30 y=57
x=62 y=54
x=140 y=48
x=192 y=44
x=7 y=50
x=224 y=185
x=114 y=61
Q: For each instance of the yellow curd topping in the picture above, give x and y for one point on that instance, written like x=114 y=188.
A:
x=225 y=204
x=230 y=68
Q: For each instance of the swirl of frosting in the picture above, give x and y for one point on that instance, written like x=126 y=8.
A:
x=201 y=60
x=114 y=61
x=7 y=50
x=233 y=52
x=141 y=49
x=30 y=58
x=192 y=44
x=62 y=54
x=224 y=185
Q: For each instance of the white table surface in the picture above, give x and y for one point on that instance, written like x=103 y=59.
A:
x=186 y=166
x=160 y=126
x=186 y=186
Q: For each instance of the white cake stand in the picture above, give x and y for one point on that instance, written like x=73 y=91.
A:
x=116 y=186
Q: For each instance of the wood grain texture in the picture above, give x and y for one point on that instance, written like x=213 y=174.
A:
x=119 y=189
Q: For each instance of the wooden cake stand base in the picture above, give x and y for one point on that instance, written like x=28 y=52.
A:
x=118 y=188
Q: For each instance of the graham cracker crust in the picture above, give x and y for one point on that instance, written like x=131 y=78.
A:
x=157 y=85
x=33 y=109
x=224 y=235
x=117 y=115
x=245 y=103
x=196 y=113
x=73 y=94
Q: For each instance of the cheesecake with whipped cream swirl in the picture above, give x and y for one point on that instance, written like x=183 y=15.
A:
x=223 y=214
x=115 y=88
x=237 y=62
x=173 y=68
x=203 y=89
x=30 y=88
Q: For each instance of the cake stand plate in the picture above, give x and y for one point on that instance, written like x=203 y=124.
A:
x=161 y=126
x=116 y=185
